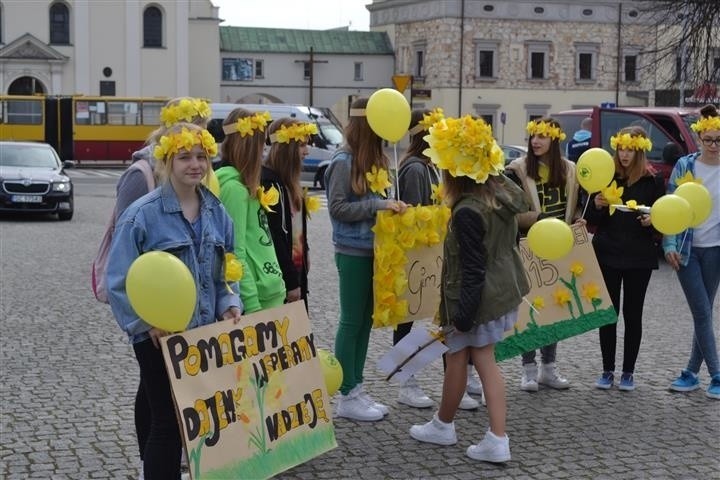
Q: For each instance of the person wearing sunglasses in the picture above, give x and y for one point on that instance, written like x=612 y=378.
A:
x=695 y=254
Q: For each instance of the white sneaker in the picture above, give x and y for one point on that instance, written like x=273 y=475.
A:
x=435 y=431
x=528 y=382
x=468 y=403
x=491 y=449
x=354 y=407
x=412 y=395
x=473 y=383
x=550 y=377
x=371 y=401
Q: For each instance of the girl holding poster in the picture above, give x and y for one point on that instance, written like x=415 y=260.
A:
x=483 y=280
x=551 y=188
x=288 y=221
x=357 y=183
x=695 y=254
x=185 y=218
x=625 y=247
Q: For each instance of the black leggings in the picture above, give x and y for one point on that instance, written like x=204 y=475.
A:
x=161 y=453
x=634 y=283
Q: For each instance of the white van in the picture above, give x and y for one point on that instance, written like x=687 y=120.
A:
x=328 y=139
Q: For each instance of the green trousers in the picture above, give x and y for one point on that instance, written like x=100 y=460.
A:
x=356 y=307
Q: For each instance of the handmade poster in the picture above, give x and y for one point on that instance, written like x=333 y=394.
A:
x=408 y=264
x=250 y=397
x=567 y=297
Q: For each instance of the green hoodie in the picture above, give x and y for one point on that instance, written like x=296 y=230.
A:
x=261 y=285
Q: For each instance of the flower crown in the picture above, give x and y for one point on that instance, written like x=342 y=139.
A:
x=247 y=125
x=185 y=139
x=184 y=111
x=465 y=147
x=705 y=124
x=625 y=141
x=545 y=129
x=298 y=132
x=428 y=120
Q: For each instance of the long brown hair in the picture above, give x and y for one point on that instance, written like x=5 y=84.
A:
x=640 y=166
x=244 y=153
x=558 y=170
x=285 y=160
x=456 y=187
x=417 y=140
x=365 y=147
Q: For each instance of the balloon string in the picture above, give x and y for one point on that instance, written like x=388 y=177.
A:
x=587 y=202
x=682 y=242
x=397 y=172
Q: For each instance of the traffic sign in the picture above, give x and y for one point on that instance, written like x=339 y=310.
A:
x=401 y=82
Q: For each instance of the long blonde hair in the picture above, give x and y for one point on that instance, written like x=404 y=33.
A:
x=285 y=160
x=244 y=153
x=366 y=149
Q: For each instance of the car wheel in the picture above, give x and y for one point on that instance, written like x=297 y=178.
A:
x=320 y=177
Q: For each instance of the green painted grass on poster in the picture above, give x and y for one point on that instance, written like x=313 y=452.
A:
x=538 y=336
x=282 y=456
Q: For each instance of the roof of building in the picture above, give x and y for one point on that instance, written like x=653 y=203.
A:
x=282 y=40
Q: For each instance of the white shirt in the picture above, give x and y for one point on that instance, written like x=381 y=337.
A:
x=707 y=234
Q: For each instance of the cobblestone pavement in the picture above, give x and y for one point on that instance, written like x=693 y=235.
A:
x=69 y=377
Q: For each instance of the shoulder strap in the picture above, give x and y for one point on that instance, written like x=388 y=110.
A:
x=144 y=166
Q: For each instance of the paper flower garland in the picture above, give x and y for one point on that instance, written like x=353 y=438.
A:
x=298 y=132
x=705 y=124
x=185 y=110
x=545 y=129
x=625 y=141
x=171 y=144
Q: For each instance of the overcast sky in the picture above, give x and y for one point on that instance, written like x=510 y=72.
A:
x=302 y=14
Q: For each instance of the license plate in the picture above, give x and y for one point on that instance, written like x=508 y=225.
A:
x=27 y=198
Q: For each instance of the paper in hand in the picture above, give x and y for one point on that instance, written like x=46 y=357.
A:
x=419 y=344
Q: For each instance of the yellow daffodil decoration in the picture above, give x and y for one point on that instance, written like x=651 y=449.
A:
x=268 y=198
x=378 y=180
x=688 y=177
x=248 y=125
x=395 y=234
x=233 y=270
x=545 y=129
x=625 y=141
x=171 y=144
x=465 y=147
x=705 y=124
x=613 y=195
x=185 y=110
x=312 y=204
x=299 y=132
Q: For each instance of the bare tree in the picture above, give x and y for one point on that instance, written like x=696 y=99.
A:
x=688 y=33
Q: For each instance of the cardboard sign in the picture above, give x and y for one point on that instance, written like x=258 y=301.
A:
x=250 y=397
x=423 y=270
x=567 y=297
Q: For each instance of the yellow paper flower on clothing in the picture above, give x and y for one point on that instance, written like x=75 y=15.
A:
x=577 y=268
x=613 y=195
x=544 y=129
x=705 y=124
x=378 y=180
x=561 y=296
x=688 y=177
x=312 y=204
x=590 y=291
x=268 y=198
x=438 y=194
x=233 y=268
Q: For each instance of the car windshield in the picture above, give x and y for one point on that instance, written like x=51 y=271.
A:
x=331 y=133
x=27 y=156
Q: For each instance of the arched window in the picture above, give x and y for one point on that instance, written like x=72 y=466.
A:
x=59 y=24
x=152 y=27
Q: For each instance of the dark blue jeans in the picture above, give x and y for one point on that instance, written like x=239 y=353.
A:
x=161 y=458
x=699 y=280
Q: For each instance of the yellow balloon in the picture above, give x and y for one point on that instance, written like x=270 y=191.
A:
x=388 y=114
x=331 y=369
x=211 y=182
x=161 y=290
x=671 y=214
x=550 y=238
x=595 y=169
x=699 y=199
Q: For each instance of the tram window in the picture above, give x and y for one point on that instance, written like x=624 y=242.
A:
x=123 y=113
x=90 y=113
x=22 y=112
x=151 y=112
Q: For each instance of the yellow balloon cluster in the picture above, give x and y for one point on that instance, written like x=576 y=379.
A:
x=550 y=239
x=699 y=199
x=395 y=234
x=161 y=290
x=671 y=214
x=388 y=114
x=331 y=369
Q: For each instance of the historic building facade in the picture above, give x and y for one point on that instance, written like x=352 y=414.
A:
x=511 y=61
